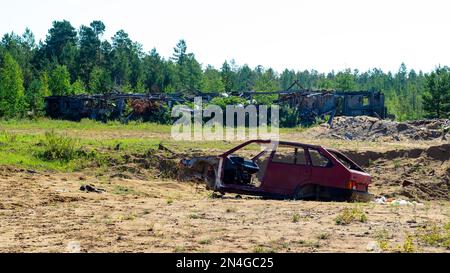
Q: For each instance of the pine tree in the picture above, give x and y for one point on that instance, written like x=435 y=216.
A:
x=212 y=81
x=228 y=77
x=437 y=95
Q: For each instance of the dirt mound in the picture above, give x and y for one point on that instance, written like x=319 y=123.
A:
x=416 y=174
x=157 y=163
x=416 y=179
x=366 y=158
x=370 y=128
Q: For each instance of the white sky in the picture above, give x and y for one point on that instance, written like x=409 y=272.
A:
x=316 y=34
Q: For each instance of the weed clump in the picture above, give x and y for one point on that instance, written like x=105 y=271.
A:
x=9 y=136
x=261 y=249
x=434 y=235
x=57 y=147
x=347 y=216
x=295 y=218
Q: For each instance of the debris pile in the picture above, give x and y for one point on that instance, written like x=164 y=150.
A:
x=396 y=202
x=91 y=188
x=369 y=128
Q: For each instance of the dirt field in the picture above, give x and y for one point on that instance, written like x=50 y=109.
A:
x=141 y=211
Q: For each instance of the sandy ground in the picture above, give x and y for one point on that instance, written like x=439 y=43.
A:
x=46 y=212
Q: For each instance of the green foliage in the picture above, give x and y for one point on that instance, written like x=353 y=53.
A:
x=89 y=49
x=245 y=78
x=190 y=74
x=12 y=92
x=78 y=88
x=61 y=38
x=100 y=81
x=345 y=81
x=36 y=93
x=437 y=95
x=22 y=49
x=222 y=102
x=228 y=77
x=154 y=71
x=59 y=82
x=289 y=117
x=212 y=81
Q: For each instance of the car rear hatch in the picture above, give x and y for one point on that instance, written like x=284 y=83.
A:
x=359 y=179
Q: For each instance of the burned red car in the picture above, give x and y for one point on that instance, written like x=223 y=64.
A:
x=284 y=170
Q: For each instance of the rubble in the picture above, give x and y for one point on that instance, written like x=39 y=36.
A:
x=365 y=128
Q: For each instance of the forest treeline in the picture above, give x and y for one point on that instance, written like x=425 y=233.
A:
x=78 y=61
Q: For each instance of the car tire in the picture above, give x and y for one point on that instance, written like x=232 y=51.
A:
x=209 y=174
x=299 y=194
x=307 y=192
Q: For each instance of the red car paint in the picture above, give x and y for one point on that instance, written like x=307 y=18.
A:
x=299 y=180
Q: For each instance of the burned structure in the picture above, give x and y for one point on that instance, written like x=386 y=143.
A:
x=317 y=104
x=308 y=104
x=115 y=106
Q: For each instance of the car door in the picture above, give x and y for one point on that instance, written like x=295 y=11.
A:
x=286 y=170
x=322 y=172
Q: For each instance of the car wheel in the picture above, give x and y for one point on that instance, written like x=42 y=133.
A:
x=299 y=194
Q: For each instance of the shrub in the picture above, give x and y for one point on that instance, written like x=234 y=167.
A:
x=57 y=147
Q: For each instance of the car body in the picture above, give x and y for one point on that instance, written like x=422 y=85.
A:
x=288 y=170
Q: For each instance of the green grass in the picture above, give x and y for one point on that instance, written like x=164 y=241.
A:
x=262 y=249
x=86 y=124
x=50 y=151
x=87 y=130
x=23 y=143
x=122 y=190
x=67 y=146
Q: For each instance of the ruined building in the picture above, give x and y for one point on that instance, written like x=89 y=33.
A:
x=309 y=104
x=312 y=104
